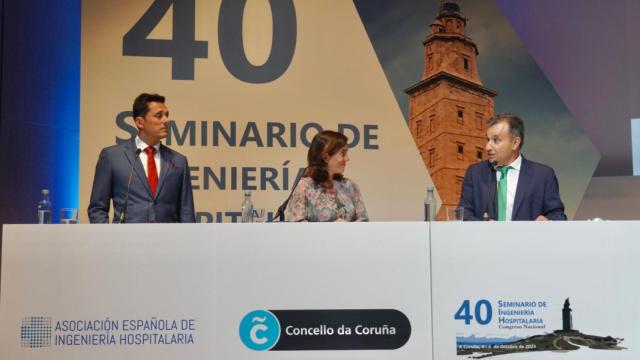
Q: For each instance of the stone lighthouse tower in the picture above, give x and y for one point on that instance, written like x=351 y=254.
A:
x=449 y=106
x=567 y=319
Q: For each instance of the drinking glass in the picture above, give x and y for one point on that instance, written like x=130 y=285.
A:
x=259 y=215
x=455 y=213
x=68 y=216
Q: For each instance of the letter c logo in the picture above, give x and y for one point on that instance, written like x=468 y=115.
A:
x=254 y=330
x=259 y=330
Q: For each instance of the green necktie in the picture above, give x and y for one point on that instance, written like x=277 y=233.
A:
x=502 y=193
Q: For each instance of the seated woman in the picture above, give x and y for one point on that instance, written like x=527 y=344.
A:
x=323 y=193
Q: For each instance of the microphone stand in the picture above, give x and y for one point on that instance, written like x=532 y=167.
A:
x=280 y=213
x=123 y=214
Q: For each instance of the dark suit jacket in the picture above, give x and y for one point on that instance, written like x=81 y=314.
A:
x=537 y=193
x=174 y=198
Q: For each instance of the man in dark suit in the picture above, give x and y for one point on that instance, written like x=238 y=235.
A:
x=160 y=189
x=508 y=186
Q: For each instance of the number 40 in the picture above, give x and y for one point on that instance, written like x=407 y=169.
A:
x=482 y=318
x=183 y=49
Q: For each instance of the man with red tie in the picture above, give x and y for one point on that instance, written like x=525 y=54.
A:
x=146 y=180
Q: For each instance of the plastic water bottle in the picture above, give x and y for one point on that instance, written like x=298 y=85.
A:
x=430 y=205
x=44 y=208
x=247 y=208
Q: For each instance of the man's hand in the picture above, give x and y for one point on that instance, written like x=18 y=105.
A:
x=541 y=218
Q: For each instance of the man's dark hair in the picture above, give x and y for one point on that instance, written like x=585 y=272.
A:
x=141 y=103
x=516 y=125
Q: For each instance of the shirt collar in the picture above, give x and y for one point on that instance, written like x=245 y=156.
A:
x=517 y=163
x=140 y=144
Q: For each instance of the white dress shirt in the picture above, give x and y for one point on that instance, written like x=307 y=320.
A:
x=512 y=184
x=156 y=156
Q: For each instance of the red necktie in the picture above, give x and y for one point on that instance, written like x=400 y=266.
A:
x=152 y=172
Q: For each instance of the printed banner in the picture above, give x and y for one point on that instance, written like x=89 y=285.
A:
x=536 y=291
x=550 y=291
x=248 y=84
x=224 y=291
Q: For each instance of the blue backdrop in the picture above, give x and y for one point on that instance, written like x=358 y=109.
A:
x=39 y=108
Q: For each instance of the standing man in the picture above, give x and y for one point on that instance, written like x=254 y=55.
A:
x=507 y=186
x=145 y=179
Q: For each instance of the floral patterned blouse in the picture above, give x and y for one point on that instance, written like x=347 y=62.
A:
x=315 y=203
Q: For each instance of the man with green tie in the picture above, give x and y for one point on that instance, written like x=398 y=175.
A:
x=507 y=186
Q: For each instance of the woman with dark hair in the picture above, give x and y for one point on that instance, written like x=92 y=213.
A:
x=323 y=193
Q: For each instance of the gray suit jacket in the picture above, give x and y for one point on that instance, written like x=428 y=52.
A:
x=174 y=198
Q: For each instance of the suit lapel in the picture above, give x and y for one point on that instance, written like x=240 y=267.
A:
x=130 y=153
x=522 y=189
x=165 y=160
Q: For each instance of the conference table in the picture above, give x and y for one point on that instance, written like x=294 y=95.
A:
x=379 y=290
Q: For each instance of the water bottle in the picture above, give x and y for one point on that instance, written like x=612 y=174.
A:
x=430 y=205
x=44 y=208
x=247 y=208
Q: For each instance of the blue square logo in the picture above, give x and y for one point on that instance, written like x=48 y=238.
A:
x=35 y=332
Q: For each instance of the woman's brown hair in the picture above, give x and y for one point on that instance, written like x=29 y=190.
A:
x=324 y=143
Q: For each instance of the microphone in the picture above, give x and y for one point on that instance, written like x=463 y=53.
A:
x=123 y=214
x=280 y=213
x=493 y=166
